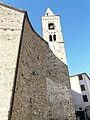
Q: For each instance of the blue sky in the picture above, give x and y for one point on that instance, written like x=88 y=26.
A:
x=75 y=22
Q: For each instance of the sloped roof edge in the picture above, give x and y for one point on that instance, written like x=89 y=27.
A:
x=11 y=7
x=33 y=28
x=25 y=12
x=80 y=74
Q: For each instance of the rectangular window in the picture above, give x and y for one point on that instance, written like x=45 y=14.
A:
x=82 y=87
x=80 y=77
x=85 y=99
x=51 y=26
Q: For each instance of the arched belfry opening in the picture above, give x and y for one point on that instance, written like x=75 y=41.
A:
x=50 y=37
x=51 y=26
x=54 y=37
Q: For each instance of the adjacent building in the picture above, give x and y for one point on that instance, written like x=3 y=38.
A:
x=80 y=85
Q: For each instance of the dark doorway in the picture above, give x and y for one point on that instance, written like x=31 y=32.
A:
x=80 y=115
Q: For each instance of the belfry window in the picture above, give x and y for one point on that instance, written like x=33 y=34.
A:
x=50 y=37
x=47 y=14
x=54 y=37
x=51 y=26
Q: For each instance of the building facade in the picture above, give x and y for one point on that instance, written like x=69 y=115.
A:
x=34 y=82
x=80 y=85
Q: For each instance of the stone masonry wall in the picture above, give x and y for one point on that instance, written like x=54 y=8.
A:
x=10 y=30
x=30 y=100
x=42 y=86
x=58 y=89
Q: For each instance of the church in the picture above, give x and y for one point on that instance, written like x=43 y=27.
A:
x=34 y=79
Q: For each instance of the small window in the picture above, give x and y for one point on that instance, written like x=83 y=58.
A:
x=50 y=37
x=85 y=99
x=54 y=37
x=82 y=87
x=80 y=77
x=51 y=26
x=47 y=14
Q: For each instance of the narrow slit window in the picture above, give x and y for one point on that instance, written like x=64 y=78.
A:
x=54 y=37
x=50 y=37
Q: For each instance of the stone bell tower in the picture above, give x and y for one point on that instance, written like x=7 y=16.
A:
x=52 y=33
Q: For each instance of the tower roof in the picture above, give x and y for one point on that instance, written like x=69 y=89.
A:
x=49 y=12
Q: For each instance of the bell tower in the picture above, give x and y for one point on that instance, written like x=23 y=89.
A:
x=52 y=33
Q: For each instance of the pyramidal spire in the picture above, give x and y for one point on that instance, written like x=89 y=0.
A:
x=49 y=12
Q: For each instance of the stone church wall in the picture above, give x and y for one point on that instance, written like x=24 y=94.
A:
x=58 y=89
x=30 y=100
x=10 y=30
x=42 y=86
